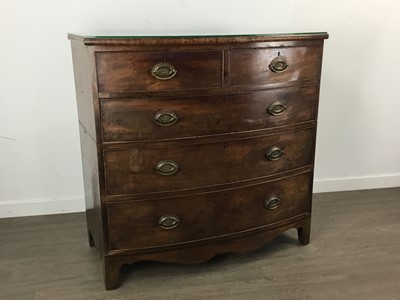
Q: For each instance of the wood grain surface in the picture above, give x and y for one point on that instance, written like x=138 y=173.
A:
x=200 y=39
x=133 y=118
x=131 y=71
x=251 y=66
x=132 y=170
x=134 y=224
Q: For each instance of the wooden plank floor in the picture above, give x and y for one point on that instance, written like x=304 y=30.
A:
x=354 y=254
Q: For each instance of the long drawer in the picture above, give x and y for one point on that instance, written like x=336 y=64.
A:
x=158 y=71
x=154 y=169
x=142 y=224
x=170 y=118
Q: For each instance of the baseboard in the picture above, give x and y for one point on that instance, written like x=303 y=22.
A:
x=356 y=183
x=46 y=206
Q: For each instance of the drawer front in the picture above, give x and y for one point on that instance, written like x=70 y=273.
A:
x=273 y=65
x=133 y=71
x=169 y=118
x=146 y=170
x=141 y=224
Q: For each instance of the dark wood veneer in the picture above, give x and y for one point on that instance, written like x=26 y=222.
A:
x=223 y=198
x=133 y=118
x=129 y=71
x=132 y=170
x=133 y=225
x=250 y=66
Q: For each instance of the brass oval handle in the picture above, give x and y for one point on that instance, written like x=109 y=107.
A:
x=169 y=221
x=163 y=71
x=167 y=167
x=278 y=65
x=272 y=202
x=165 y=118
x=274 y=153
x=276 y=108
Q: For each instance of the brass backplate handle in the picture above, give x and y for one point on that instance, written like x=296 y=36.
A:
x=278 y=65
x=163 y=71
x=169 y=221
x=276 y=108
x=274 y=153
x=165 y=118
x=272 y=202
x=167 y=167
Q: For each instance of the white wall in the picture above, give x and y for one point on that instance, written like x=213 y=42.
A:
x=358 y=138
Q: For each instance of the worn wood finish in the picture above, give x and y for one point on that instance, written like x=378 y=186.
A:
x=202 y=253
x=92 y=190
x=90 y=136
x=133 y=119
x=218 y=140
x=132 y=170
x=141 y=41
x=133 y=224
x=212 y=91
x=130 y=71
x=251 y=66
x=206 y=189
x=83 y=74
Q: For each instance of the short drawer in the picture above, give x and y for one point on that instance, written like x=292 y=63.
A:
x=143 y=224
x=170 y=118
x=150 y=169
x=158 y=71
x=273 y=65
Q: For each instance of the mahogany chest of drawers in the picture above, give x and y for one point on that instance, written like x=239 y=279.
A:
x=194 y=146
